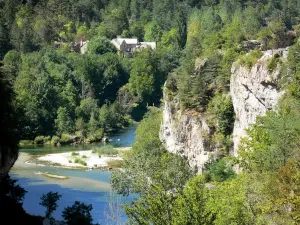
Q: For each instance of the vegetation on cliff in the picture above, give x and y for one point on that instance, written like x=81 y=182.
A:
x=62 y=95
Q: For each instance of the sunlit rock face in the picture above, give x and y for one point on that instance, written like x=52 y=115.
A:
x=254 y=91
x=185 y=133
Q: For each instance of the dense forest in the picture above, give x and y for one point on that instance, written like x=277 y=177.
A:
x=57 y=95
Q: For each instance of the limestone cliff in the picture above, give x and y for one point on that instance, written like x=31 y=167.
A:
x=184 y=133
x=254 y=91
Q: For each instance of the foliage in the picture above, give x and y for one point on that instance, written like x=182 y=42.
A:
x=273 y=63
x=224 y=207
x=75 y=153
x=78 y=213
x=11 y=198
x=11 y=189
x=80 y=161
x=115 y=164
x=250 y=59
x=9 y=136
x=219 y=170
x=100 y=46
x=274 y=139
x=190 y=204
x=56 y=92
x=49 y=201
x=142 y=75
x=149 y=160
x=222 y=114
x=106 y=150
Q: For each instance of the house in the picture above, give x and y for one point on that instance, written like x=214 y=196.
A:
x=130 y=45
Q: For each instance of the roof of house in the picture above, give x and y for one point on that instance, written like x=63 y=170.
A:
x=150 y=44
x=129 y=41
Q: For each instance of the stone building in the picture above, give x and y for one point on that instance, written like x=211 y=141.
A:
x=129 y=45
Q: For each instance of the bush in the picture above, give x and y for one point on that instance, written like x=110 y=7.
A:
x=251 y=58
x=84 y=156
x=66 y=138
x=222 y=114
x=171 y=83
x=100 y=45
x=55 y=140
x=41 y=140
x=219 y=170
x=272 y=63
x=96 y=136
x=106 y=150
x=115 y=164
x=75 y=153
x=26 y=142
x=80 y=161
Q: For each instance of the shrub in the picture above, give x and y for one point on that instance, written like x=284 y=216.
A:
x=55 y=140
x=106 y=150
x=26 y=142
x=80 y=161
x=171 y=83
x=272 y=63
x=115 y=163
x=222 y=114
x=66 y=138
x=84 y=156
x=96 y=136
x=75 y=153
x=219 y=170
x=39 y=140
x=250 y=59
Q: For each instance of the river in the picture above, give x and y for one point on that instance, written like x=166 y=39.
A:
x=90 y=187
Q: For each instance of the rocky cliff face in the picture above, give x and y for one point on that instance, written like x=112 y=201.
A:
x=254 y=91
x=184 y=133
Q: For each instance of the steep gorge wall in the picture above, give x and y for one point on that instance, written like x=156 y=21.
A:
x=253 y=91
x=184 y=133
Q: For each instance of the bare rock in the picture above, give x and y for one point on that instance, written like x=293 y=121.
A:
x=254 y=91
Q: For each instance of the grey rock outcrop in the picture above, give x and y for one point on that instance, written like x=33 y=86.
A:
x=185 y=133
x=254 y=91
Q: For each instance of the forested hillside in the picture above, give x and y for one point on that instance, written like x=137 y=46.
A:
x=62 y=96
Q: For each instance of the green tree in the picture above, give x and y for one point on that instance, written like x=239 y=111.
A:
x=153 y=32
x=100 y=46
x=64 y=123
x=273 y=140
x=12 y=63
x=189 y=205
x=141 y=79
x=78 y=214
x=49 y=201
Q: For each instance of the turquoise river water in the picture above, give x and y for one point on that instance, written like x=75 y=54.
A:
x=90 y=187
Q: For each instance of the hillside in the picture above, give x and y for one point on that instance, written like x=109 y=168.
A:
x=220 y=89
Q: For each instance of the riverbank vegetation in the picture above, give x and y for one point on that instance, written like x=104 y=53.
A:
x=54 y=94
x=68 y=97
